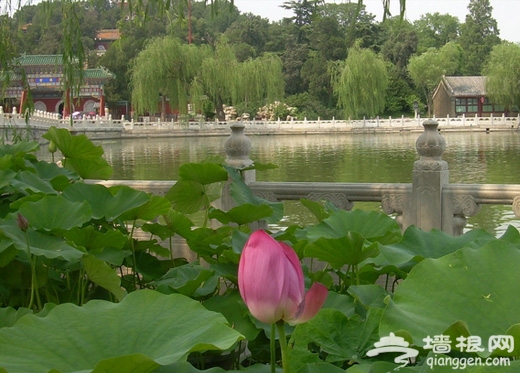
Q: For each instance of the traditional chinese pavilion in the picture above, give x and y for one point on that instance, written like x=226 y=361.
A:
x=44 y=75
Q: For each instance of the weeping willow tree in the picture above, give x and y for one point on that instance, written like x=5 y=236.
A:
x=360 y=83
x=502 y=72
x=165 y=69
x=185 y=73
x=223 y=80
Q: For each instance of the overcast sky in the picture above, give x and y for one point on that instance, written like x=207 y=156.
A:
x=506 y=12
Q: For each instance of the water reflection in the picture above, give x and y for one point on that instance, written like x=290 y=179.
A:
x=472 y=157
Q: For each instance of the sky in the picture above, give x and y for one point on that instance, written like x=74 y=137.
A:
x=505 y=12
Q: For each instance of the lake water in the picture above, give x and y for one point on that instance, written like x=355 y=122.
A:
x=492 y=158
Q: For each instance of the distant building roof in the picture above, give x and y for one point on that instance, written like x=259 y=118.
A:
x=458 y=86
x=112 y=34
x=99 y=73
x=40 y=60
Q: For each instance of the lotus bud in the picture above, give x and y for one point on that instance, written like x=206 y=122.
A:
x=22 y=222
x=271 y=283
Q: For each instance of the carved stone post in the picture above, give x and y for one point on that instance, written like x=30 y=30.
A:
x=430 y=174
x=238 y=148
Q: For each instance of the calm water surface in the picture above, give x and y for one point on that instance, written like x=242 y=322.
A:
x=379 y=158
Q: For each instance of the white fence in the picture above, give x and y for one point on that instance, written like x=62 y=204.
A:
x=303 y=125
x=42 y=120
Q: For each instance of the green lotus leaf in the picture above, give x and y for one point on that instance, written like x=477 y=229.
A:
x=349 y=249
x=154 y=207
x=49 y=213
x=334 y=336
x=102 y=274
x=203 y=173
x=371 y=225
x=476 y=289
x=40 y=244
x=243 y=214
x=147 y=329
x=81 y=155
x=95 y=169
x=109 y=203
x=73 y=146
x=188 y=196
x=186 y=279
x=96 y=241
x=242 y=194
x=234 y=309
x=6 y=176
x=28 y=182
x=9 y=315
x=417 y=245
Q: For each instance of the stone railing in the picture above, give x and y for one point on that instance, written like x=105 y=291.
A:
x=390 y=123
x=429 y=202
x=13 y=124
x=41 y=119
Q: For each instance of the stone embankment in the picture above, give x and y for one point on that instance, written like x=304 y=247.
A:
x=13 y=125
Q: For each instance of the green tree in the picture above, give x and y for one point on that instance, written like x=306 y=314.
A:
x=400 y=43
x=427 y=69
x=360 y=83
x=165 y=69
x=223 y=80
x=250 y=30
x=478 y=35
x=354 y=21
x=434 y=30
x=503 y=75
x=184 y=73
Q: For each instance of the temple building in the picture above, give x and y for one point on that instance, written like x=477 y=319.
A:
x=44 y=77
x=465 y=95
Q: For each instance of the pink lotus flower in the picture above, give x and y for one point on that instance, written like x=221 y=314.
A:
x=270 y=280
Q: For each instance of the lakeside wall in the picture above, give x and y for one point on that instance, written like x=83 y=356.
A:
x=14 y=125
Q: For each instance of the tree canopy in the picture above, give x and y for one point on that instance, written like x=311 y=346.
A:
x=427 y=69
x=189 y=73
x=360 y=83
x=503 y=75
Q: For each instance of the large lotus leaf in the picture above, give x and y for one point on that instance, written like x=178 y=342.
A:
x=55 y=213
x=185 y=279
x=188 y=196
x=332 y=335
x=19 y=148
x=153 y=208
x=6 y=176
x=102 y=274
x=476 y=289
x=371 y=225
x=49 y=171
x=234 y=309
x=97 y=195
x=349 y=249
x=146 y=329
x=418 y=244
x=40 y=244
x=95 y=169
x=243 y=214
x=94 y=240
x=28 y=182
x=73 y=146
x=9 y=315
x=203 y=173
x=125 y=199
x=81 y=155
x=242 y=194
